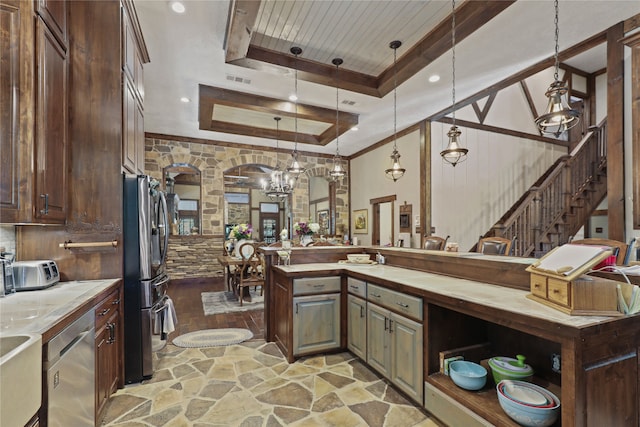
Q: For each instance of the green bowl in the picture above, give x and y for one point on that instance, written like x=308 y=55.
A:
x=508 y=368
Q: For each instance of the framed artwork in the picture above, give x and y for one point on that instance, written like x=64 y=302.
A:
x=323 y=221
x=361 y=221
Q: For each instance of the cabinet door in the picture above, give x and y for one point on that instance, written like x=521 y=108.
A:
x=54 y=14
x=50 y=191
x=378 y=349
x=357 y=326
x=103 y=368
x=139 y=139
x=316 y=323
x=129 y=149
x=407 y=350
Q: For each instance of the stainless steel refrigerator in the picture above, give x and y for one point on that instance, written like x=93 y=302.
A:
x=146 y=239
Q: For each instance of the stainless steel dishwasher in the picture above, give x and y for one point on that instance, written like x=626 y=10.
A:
x=70 y=373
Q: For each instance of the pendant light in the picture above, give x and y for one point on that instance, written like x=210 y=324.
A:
x=279 y=185
x=338 y=171
x=454 y=153
x=396 y=171
x=295 y=169
x=558 y=116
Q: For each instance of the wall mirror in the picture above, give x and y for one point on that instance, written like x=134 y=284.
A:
x=184 y=198
x=320 y=203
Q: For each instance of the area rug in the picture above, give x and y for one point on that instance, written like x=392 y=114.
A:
x=227 y=302
x=213 y=337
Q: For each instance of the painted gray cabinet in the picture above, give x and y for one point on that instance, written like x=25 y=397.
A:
x=316 y=314
x=357 y=326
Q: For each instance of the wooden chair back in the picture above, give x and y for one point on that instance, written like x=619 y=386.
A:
x=495 y=246
x=252 y=267
x=619 y=248
x=434 y=243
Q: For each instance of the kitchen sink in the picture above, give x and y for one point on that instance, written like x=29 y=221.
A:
x=20 y=378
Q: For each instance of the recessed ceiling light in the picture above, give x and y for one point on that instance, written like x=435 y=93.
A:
x=355 y=128
x=177 y=7
x=185 y=99
x=293 y=97
x=434 y=78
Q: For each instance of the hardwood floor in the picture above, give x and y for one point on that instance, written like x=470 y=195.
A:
x=188 y=303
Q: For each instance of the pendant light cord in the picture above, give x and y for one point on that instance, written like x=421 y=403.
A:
x=395 y=98
x=337 y=62
x=453 y=61
x=557 y=63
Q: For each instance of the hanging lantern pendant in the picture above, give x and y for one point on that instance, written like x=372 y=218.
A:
x=396 y=171
x=454 y=153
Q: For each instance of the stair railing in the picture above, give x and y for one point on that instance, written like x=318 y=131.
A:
x=544 y=205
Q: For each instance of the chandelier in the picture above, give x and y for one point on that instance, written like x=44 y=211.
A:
x=279 y=185
x=295 y=169
x=338 y=171
x=558 y=117
x=396 y=171
x=454 y=153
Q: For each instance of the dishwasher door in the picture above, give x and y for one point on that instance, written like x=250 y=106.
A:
x=71 y=376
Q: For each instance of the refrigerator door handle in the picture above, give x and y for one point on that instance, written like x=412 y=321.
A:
x=165 y=229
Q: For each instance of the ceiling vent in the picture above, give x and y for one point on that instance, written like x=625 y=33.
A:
x=238 y=79
x=348 y=102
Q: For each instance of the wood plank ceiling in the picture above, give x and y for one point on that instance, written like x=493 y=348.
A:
x=261 y=33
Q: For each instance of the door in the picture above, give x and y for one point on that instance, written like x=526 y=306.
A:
x=316 y=323
x=378 y=349
x=357 y=326
x=269 y=227
x=407 y=350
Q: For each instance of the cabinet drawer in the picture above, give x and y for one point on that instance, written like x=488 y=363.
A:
x=539 y=285
x=409 y=305
x=106 y=308
x=357 y=287
x=316 y=285
x=559 y=291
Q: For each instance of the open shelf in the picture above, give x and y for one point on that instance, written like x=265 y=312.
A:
x=483 y=402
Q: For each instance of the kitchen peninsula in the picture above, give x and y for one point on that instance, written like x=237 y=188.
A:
x=597 y=378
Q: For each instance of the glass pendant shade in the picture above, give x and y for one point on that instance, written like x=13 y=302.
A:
x=396 y=171
x=454 y=153
x=295 y=168
x=558 y=117
x=338 y=170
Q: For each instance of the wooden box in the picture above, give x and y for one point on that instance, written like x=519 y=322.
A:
x=573 y=292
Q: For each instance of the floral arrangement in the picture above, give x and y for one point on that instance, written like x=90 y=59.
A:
x=306 y=228
x=242 y=231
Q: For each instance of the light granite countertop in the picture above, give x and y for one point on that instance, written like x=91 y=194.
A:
x=494 y=296
x=37 y=311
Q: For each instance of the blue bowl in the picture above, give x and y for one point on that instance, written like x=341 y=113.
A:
x=529 y=416
x=468 y=375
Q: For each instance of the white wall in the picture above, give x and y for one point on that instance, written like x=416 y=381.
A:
x=368 y=182
x=8 y=238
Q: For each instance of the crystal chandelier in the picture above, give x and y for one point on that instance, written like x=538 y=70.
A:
x=396 y=171
x=338 y=171
x=295 y=169
x=454 y=153
x=279 y=185
x=558 y=117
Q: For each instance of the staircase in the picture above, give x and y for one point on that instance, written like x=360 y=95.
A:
x=560 y=202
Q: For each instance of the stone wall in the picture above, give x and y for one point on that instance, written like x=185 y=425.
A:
x=190 y=255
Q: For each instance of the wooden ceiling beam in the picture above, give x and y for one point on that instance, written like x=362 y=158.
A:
x=242 y=18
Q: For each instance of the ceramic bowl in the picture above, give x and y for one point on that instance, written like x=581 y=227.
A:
x=508 y=368
x=358 y=258
x=467 y=375
x=529 y=416
x=527 y=393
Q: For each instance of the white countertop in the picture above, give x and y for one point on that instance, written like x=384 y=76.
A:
x=37 y=311
x=499 y=297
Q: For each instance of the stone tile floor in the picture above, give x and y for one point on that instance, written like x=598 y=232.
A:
x=251 y=384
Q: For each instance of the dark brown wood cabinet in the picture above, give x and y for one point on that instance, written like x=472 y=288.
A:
x=109 y=347
x=34 y=114
x=51 y=135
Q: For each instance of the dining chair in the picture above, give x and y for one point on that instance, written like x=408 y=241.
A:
x=495 y=246
x=434 y=243
x=251 y=270
x=619 y=248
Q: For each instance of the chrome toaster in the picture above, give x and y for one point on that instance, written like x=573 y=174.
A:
x=33 y=275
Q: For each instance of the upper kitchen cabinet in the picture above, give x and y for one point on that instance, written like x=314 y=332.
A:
x=34 y=116
x=134 y=55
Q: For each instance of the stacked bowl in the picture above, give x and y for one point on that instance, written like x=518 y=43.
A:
x=528 y=404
